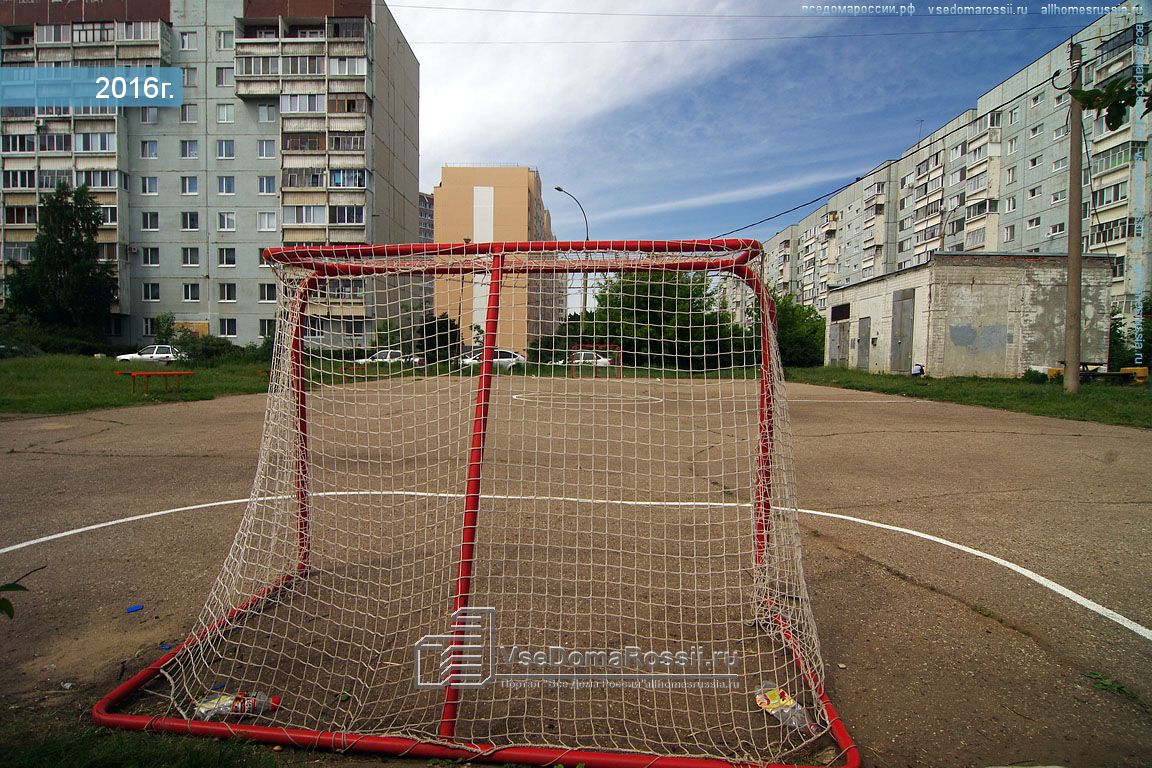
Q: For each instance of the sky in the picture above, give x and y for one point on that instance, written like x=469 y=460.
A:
x=674 y=119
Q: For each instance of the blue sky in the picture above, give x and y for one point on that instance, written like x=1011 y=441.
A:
x=693 y=138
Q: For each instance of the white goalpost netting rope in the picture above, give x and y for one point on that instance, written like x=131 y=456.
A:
x=626 y=592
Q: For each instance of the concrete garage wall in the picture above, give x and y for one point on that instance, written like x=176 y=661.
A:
x=873 y=299
x=973 y=315
x=996 y=315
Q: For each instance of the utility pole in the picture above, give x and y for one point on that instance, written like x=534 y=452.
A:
x=1074 y=306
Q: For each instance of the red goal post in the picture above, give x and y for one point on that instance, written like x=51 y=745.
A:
x=296 y=497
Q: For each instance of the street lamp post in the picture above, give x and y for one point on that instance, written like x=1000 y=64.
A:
x=584 y=275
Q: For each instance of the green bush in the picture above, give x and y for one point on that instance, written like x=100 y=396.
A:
x=1035 y=377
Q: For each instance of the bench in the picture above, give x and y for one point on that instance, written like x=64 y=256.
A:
x=147 y=375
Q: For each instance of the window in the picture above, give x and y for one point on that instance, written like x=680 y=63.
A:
x=303 y=142
x=357 y=177
x=1009 y=233
x=189 y=149
x=148 y=150
x=1060 y=164
x=1035 y=191
x=349 y=103
x=226 y=257
x=346 y=214
x=189 y=77
x=266 y=113
x=1033 y=222
x=21 y=180
x=267 y=185
x=267 y=148
x=303 y=65
x=1010 y=175
x=1035 y=130
x=1112 y=158
x=190 y=221
x=148 y=327
x=225 y=149
x=1013 y=144
x=267 y=327
x=258 y=65
x=18 y=142
x=189 y=113
x=190 y=257
x=95 y=142
x=227 y=326
x=1059 y=197
x=346 y=142
x=266 y=221
x=304 y=214
x=302 y=102
x=225 y=41
x=108 y=214
x=1056 y=229
x=1013 y=115
x=1036 y=99
x=55 y=142
x=226 y=221
x=20 y=214
x=53 y=33
x=149 y=221
x=225 y=113
x=347 y=66
x=189 y=185
x=149 y=185
x=1060 y=132
x=1110 y=195
x=150 y=291
x=149 y=115
x=225 y=185
x=150 y=256
x=191 y=291
x=1035 y=161
x=228 y=292
x=267 y=292
x=188 y=41
x=225 y=77
x=1009 y=204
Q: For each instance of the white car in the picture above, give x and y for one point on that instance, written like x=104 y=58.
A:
x=157 y=353
x=389 y=357
x=501 y=358
x=587 y=357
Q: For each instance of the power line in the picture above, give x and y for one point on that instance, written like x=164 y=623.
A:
x=756 y=38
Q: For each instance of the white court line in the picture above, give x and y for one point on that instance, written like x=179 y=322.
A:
x=1047 y=583
x=906 y=400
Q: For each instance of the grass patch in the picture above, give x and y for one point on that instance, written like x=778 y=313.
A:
x=1102 y=683
x=33 y=743
x=1129 y=406
x=68 y=383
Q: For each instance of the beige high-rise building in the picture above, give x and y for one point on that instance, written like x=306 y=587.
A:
x=496 y=203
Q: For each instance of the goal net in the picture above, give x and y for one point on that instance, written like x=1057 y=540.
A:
x=454 y=549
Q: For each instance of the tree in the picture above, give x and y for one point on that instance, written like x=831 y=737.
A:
x=164 y=328
x=667 y=320
x=65 y=288
x=799 y=332
x=438 y=338
x=1122 y=337
x=1114 y=100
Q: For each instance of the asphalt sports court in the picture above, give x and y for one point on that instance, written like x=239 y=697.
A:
x=934 y=657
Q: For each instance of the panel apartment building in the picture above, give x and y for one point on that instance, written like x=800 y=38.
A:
x=490 y=203
x=993 y=180
x=299 y=126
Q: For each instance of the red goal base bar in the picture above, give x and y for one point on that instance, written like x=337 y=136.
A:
x=732 y=256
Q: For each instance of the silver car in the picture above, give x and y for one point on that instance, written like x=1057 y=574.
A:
x=501 y=358
x=157 y=353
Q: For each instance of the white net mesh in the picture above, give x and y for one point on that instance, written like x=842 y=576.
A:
x=626 y=592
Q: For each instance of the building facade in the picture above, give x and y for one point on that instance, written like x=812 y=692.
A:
x=299 y=126
x=994 y=179
x=494 y=203
x=427 y=218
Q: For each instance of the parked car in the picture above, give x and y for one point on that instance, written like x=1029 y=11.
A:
x=390 y=357
x=501 y=358
x=157 y=353
x=587 y=357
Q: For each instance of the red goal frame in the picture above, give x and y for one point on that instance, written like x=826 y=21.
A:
x=732 y=256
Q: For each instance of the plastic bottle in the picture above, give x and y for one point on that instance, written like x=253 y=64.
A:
x=777 y=702
x=241 y=703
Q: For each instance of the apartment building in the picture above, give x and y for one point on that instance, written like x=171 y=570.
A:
x=299 y=126
x=994 y=179
x=492 y=203
x=427 y=218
